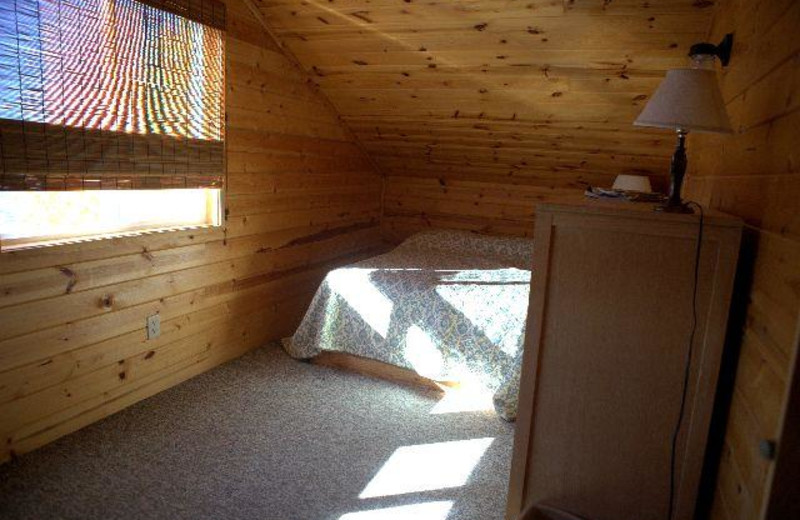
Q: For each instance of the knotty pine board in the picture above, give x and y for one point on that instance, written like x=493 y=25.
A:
x=302 y=198
x=495 y=93
x=754 y=174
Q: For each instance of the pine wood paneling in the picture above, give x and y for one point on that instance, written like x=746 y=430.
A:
x=532 y=98
x=302 y=198
x=754 y=174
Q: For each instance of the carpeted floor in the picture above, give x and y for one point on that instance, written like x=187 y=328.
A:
x=271 y=438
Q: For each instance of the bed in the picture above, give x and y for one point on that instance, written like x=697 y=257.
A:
x=448 y=305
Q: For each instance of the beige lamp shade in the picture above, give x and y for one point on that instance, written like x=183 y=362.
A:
x=632 y=183
x=688 y=100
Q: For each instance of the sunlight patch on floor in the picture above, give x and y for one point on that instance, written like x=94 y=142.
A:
x=427 y=467
x=465 y=398
x=423 y=511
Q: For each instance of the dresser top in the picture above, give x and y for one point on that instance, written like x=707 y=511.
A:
x=637 y=210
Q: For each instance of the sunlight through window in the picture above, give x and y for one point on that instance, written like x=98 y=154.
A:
x=426 y=467
x=355 y=286
x=423 y=353
x=469 y=291
x=465 y=398
x=113 y=65
x=32 y=218
x=424 y=511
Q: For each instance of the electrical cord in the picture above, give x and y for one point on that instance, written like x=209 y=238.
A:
x=687 y=365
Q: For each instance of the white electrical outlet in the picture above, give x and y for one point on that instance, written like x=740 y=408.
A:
x=153 y=326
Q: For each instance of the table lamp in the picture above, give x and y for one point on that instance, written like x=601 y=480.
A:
x=640 y=183
x=689 y=99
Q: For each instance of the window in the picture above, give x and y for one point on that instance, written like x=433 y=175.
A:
x=111 y=117
x=38 y=218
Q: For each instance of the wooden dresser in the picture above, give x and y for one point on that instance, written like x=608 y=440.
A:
x=609 y=324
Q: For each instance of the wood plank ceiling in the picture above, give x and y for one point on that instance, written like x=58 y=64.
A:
x=473 y=109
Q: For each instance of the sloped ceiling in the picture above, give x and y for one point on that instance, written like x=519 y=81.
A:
x=464 y=102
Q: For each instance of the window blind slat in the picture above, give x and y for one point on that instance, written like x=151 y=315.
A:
x=111 y=94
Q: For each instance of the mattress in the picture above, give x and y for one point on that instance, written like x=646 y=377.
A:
x=449 y=305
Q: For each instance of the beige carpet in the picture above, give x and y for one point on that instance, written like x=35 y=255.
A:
x=266 y=437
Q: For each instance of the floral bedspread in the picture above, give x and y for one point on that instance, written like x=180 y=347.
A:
x=450 y=305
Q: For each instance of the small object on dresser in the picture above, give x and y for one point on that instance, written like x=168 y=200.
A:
x=594 y=192
x=640 y=183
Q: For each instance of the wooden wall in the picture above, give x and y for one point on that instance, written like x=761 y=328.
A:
x=301 y=197
x=756 y=174
x=476 y=109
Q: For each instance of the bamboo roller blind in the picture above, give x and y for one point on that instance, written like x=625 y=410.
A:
x=111 y=94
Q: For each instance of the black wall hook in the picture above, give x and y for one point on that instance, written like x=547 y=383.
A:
x=722 y=51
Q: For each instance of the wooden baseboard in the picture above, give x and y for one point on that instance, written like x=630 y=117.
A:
x=380 y=370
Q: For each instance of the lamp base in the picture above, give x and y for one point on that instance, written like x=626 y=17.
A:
x=675 y=208
x=677 y=170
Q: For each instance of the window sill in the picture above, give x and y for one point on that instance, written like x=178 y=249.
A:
x=23 y=244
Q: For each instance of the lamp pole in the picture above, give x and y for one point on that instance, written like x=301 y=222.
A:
x=677 y=171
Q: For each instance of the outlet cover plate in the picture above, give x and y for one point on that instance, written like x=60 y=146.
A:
x=153 y=326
